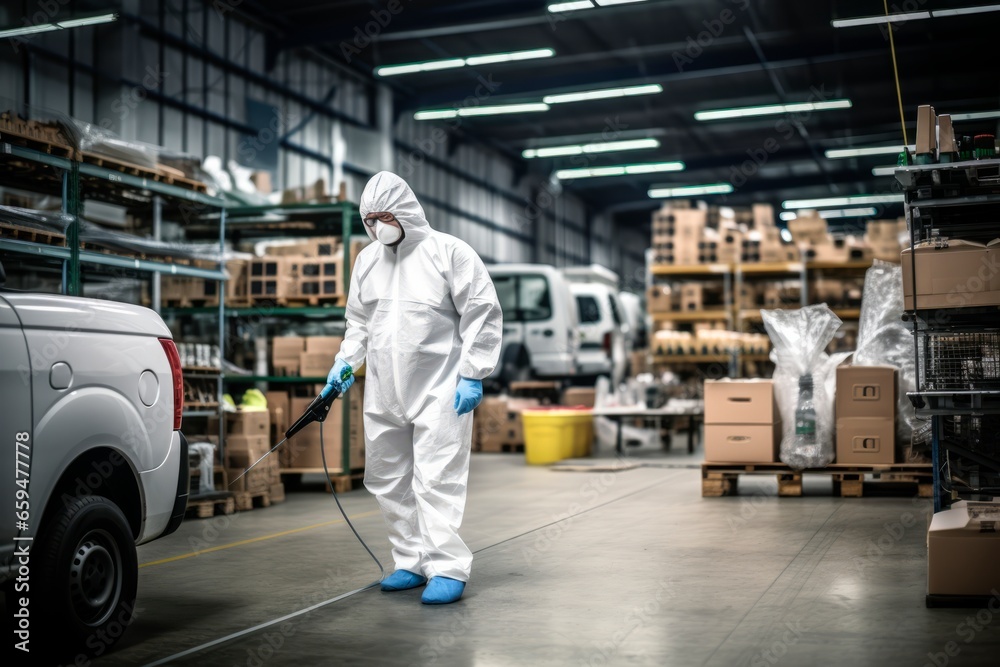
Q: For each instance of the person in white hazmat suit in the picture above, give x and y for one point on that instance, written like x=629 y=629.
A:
x=422 y=312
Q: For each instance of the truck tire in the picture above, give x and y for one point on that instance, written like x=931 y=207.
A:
x=87 y=577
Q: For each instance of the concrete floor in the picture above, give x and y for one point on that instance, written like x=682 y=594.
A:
x=624 y=568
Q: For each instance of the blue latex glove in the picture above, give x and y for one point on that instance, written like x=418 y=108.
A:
x=341 y=378
x=468 y=395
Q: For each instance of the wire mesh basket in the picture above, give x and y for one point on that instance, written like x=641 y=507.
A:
x=959 y=361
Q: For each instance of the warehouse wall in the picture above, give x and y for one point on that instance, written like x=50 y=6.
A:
x=179 y=73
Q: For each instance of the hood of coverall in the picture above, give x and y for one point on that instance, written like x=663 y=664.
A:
x=388 y=193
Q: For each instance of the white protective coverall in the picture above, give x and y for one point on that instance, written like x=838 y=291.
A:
x=423 y=314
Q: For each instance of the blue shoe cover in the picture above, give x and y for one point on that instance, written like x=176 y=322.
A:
x=442 y=590
x=402 y=580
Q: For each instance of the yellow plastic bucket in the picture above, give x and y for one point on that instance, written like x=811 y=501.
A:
x=551 y=435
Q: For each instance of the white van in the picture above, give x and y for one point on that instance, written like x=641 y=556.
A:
x=635 y=315
x=603 y=332
x=540 y=323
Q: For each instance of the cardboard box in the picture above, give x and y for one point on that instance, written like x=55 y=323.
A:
x=810 y=230
x=692 y=295
x=763 y=216
x=742 y=443
x=318 y=246
x=262 y=181
x=866 y=391
x=242 y=446
x=960 y=274
x=269 y=280
x=244 y=422
x=740 y=402
x=730 y=246
x=327 y=344
x=286 y=354
x=963 y=549
x=279 y=410
x=661 y=299
x=497 y=422
x=866 y=440
x=579 y=396
x=315 y=364
x=926 y=140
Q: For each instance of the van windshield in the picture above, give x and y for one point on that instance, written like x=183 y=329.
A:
x=589 y=310
x=524 y=298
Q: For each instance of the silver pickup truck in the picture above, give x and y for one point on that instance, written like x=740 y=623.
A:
x=93 y=464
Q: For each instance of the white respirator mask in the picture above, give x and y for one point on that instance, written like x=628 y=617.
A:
x=387 y=234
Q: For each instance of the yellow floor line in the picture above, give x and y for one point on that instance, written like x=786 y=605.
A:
x=171 y=559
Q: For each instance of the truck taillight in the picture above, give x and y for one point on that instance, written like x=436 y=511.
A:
x=606 y=343
x=178 y=377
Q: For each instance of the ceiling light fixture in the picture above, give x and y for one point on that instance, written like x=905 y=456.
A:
x=876 y=20
x=437 y=114
x=839 y=153
x=580 y=149
x=841 y=201
x=848 y=212
x=619 y=170
x=961 y=11
x=570 y=6
x=884 y=171
x=59 y=25
x=977 y=115
x=788 y=215
x=471 y=61
x=691 y=190
x=770 y=109
x=648 y=89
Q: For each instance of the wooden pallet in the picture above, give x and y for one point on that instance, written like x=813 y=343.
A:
x=342 y=482
x=19 y=233
x=209 y=507
x=304 y=301
x=502 y=448
x=248 y=500
x=849 y=480
x=32 y=134
x=160 y=173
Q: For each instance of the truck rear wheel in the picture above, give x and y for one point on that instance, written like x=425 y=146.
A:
x=87 y=577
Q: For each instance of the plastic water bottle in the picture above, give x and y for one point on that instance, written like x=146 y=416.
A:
x=805 y=414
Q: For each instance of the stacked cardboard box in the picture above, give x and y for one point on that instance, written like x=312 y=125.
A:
x=269 y=279
x=837 y=292
x=183 y=291
x=698 y=296
x=677 y=233
x=663 y=299
x=584 y=396
x=952 y=274
x=865 y=410
x=706 y=340
x=742 y=424
x=286 y=354
x=314 y=278
x=497 y=425
x=303 y=451
x=887 y=238
x=318 y=357
x=247 y=439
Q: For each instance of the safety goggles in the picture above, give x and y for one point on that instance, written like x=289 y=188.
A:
x=387 y=218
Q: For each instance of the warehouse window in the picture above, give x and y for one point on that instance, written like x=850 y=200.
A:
x=523 y=298
x=589 y=310
x=614 y=310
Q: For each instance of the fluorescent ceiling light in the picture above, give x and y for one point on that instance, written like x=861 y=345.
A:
x=982 y=9
x=691 y=190
x=884 y=171
x=513 y=56
x=978 y=115
x=608 y=3
x=841 y=201
x=771 y=109
x=59 y=25
x=606 y=93
x=788 y=215
x=602 y=147
x=786 y=235
x=838 y=153
x=570 y=6
x=619 y=170
x=876 y=20
x=437 y=114
x=471 y=61
x=847 y=212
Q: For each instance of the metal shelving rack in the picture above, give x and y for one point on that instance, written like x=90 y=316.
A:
x=74 y=182
x=957 y=350
x=733 y=277
x=242 y=222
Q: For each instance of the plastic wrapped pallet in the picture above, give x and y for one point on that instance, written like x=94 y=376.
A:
x=883 y=340
x=799 y=338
